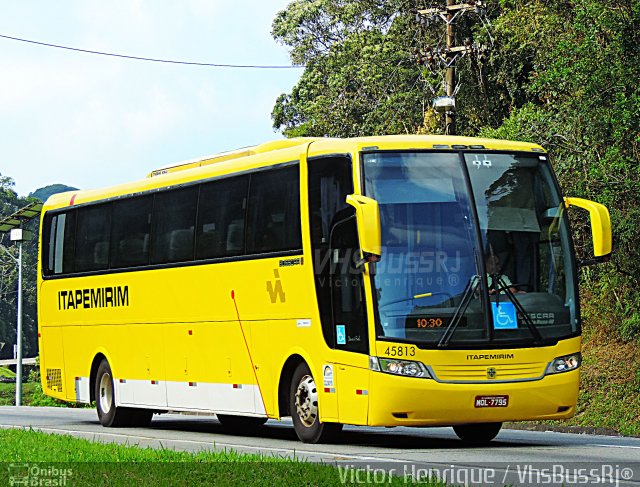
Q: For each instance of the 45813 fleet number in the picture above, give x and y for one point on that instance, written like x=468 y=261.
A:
x=400 y=351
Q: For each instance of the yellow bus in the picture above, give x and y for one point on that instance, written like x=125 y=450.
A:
x=380 y=281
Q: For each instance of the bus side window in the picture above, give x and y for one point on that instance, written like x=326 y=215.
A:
x=93 y=230
x=221 y=218
x=58 y=235
x=174 y=219
x=129 y=233
x=274 y=211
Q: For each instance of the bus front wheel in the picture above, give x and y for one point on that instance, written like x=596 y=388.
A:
x=477 y=434
x=303 y=404
x=110 y=415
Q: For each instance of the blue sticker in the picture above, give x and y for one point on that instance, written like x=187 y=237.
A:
x=504 y=316
x=341 y=335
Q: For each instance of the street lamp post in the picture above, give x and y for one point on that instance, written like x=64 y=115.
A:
x=19 y=235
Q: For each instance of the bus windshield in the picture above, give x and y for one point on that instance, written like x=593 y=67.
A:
x=430 y=288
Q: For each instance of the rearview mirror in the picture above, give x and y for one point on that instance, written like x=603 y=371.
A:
x=368 y=218
x=600 y=227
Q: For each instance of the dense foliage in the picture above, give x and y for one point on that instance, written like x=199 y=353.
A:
x=10 y=203
x=562 y=73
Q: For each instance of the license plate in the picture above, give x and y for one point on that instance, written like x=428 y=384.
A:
x=492 y=401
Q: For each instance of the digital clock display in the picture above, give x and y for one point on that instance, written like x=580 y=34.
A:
x=431 y=322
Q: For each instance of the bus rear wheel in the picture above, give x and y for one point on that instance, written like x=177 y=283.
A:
x=303 y=404
x=110 y=415
x=477 y=434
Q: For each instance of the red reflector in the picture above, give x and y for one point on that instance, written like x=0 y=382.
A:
x=122 y=381
x=362 y=392
x=39 y=335
x=237 y=386
x=193 y=384
x=154 y=382
x=77 y=378
x=190 y=332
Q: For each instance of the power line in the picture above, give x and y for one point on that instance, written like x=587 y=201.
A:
x=138 y=58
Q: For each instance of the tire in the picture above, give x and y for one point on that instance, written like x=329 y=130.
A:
x=477 y=434
x=109 y=415
x=240 y=423
x=303 y=404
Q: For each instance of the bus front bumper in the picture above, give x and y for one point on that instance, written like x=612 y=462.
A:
x=404 y=401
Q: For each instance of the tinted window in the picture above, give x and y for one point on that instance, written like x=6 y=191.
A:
x=174 y=217
x=48 y=243
x=130 y=232
x=92 y=238
x=330 y=182
x=274 y=211
x=221 y=218
x=65 y=237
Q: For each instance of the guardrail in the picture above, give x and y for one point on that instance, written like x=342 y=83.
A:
x=25 y=361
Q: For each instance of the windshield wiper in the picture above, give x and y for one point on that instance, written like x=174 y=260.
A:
x=410 y=298
x=459 y=311
x=527 y=319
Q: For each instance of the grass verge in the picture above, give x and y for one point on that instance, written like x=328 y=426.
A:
x=42 y=456
x=4 y=372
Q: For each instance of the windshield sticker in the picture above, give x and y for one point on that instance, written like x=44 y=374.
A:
x=341 y=335
x=485 y=162
x=504 y=316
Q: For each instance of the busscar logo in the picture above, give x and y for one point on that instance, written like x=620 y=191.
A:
x=497 y=356
x=276 y=291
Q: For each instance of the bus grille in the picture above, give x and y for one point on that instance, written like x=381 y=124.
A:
x=489 y=372
x=54 y=379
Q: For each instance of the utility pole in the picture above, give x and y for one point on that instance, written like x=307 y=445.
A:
x=450 y=76
x=444 y=58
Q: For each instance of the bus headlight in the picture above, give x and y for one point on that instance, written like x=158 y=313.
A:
x=564 y=364
x=407 y=368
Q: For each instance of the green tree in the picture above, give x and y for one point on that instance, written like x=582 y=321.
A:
x=9 y=203
x=360 y=77
x=582 y=101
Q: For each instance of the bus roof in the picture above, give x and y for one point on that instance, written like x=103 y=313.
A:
x=278 y=151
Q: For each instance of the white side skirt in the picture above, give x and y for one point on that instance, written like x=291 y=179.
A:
x=190 y=396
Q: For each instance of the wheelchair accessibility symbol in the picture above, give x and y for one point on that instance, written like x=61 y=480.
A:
x=504 y=316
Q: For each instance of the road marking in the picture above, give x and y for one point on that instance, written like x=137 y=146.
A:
x=616 y=446
x=212 y=444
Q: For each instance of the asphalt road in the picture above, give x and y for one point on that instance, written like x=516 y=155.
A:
x=516 y=457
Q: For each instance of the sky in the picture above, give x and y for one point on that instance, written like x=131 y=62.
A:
x=90 y=121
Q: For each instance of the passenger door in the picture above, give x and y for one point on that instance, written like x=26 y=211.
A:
x=339 y=285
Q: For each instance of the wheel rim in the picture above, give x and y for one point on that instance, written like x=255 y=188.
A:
x=307 y=401
x=106 y=393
